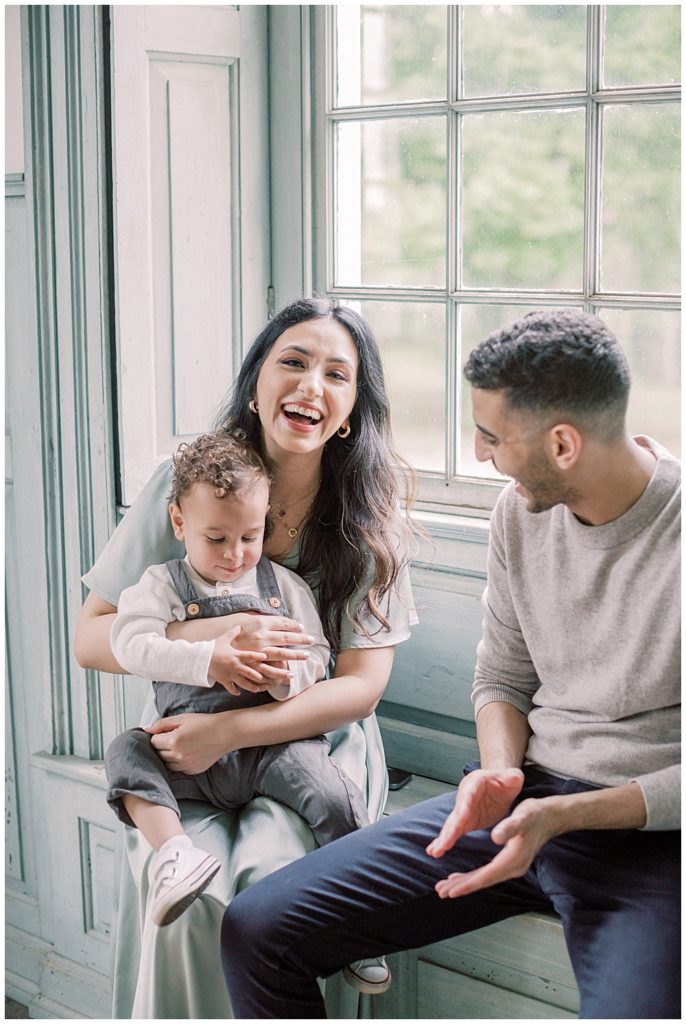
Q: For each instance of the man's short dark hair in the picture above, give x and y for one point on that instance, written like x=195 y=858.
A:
x=557 y=361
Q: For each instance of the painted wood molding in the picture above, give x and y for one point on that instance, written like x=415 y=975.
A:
x=65 y=188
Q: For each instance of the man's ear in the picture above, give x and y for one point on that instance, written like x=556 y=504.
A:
x=176 y=516
x=564 y=445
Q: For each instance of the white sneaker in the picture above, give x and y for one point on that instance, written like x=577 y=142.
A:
x=179 y=873
x=372 y=976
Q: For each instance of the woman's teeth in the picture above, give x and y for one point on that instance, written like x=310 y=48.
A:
x=313 y=415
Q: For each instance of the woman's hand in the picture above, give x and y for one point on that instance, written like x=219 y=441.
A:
x=192 y=743
x=268 y=634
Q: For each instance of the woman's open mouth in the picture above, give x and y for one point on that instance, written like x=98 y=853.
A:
x=301 y=416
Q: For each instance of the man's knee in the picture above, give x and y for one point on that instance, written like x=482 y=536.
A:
x=244 y=926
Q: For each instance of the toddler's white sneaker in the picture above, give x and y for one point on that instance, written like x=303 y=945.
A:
x=178 y=874
x=371 y=976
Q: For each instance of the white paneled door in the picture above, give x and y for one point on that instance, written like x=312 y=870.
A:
x=190 y=178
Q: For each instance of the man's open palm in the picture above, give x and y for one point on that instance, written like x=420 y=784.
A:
x=483 y=798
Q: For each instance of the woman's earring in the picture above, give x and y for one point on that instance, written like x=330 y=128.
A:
x=252 y=405
x=344 y=431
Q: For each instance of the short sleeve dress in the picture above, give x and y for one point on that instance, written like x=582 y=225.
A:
x=175 y=972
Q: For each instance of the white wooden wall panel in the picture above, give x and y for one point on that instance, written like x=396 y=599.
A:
x=436 y=670
x=191 y=184
x=191 y=202
x=14 y=122
x=27 y=684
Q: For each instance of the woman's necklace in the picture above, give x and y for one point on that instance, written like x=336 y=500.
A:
x=282 y=512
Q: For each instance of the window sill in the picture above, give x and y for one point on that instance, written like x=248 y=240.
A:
x=451 y=543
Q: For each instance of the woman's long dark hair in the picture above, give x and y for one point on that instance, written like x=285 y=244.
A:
x=358 y=507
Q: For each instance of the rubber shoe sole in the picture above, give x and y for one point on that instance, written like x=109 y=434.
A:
x=185 y=892
x=369 y=988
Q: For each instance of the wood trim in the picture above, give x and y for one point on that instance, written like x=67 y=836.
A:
x=65 y=188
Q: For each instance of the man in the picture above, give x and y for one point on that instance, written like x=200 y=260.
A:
x=575 y=805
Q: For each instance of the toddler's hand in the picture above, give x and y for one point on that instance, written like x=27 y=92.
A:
x=234 y=669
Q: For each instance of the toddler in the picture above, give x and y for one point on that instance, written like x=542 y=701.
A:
x=220 y=500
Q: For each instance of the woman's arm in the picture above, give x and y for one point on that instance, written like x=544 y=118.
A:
x=92 y=638
x=191 y=743
x=265 y=633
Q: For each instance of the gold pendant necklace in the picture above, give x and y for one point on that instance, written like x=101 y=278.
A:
x=281 y=512
x=291 y=530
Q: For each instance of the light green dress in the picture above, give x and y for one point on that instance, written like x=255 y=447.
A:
x=175 y=972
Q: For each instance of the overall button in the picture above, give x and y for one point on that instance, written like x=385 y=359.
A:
x=275 y=602
x=193 y=609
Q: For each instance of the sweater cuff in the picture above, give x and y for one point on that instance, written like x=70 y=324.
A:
x=662 y=795
x=488 y=693
x=201 y=675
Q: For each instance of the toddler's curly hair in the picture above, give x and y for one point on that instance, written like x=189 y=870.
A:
x=226 y=462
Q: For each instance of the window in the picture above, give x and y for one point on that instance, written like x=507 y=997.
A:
x=476 y=162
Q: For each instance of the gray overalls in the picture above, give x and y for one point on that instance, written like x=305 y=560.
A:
x=300 y=774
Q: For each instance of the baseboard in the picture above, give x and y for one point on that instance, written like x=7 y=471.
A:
x=51 y=985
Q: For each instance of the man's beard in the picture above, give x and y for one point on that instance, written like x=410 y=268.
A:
x=545 y=486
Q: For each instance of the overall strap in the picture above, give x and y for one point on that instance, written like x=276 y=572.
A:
x=184 y=588
x=267 y=586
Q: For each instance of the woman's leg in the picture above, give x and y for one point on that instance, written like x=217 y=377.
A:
x=304 y=776
x=367 y=894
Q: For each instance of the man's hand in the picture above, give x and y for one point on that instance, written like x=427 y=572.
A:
x=482 y=799
x=530 y=826
x=191 y=743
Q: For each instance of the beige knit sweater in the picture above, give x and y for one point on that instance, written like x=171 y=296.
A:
x=582 y=634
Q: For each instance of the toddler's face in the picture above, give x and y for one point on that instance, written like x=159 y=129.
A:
x=223 y=536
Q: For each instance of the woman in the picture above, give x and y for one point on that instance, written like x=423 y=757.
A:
x=311 y=397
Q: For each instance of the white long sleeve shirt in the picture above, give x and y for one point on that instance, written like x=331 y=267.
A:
x=145 y=610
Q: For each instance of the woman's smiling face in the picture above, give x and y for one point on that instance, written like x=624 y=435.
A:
x=307 y=386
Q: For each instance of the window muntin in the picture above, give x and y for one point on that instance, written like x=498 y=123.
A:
x=550 y=196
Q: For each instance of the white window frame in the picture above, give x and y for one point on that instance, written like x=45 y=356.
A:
x=449 y=492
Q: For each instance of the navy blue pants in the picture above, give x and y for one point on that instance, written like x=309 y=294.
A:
x=372 y=892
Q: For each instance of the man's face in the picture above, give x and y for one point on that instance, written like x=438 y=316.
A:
x=514 y=442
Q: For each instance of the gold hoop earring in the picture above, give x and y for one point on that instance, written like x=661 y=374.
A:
x=252 y=405
x=344 y=431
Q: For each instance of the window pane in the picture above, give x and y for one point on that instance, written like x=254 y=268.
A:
x=523 y=199
x=389 y=54
x=391 y=202
x=652 y=342
x=411 y=336
x=642 y=45
x=521 y=48
x=640 y=198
